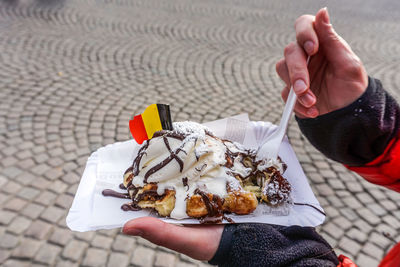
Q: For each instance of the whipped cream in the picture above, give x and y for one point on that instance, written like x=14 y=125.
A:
x=186 y=159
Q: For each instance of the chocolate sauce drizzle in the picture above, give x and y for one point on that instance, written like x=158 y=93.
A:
x=112 y=193
x=185 y=183
x=213 y=205
x=130 y=207
x=173 y=155
x=309 y=205
x=136 y=162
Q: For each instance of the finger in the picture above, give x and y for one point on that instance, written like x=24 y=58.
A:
x=199 y=243
x=282 y=71
x=335 y=47
x=300 y=110
x=296 y=64
x=306 y=35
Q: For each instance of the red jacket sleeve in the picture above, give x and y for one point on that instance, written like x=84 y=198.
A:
x=385 y=169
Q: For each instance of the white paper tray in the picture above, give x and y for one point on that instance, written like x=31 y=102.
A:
x=105 y=168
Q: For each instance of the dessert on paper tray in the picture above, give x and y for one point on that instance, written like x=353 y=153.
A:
x=189 y=172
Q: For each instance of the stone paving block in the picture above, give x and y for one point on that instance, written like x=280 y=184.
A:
x=328 y=174
x=324 y=190
x=3 y=197
x=3 y=181
x=391 y=221
x=63 y=263
x=19 y=263
x=145 y=242
x=70 y=178
x=9 y=161
x=377 y=209
x=357 y=235
x=366 y=261
x=373 y=251
x=46 y=198
x=64 y=201
x=389 y=205
x=11 y=187
x=52 y=214
x=53 y=173
x=4 y=255
x=40 y=169
x=86 y=236
x=352 y=202
x=25 y=178
x=349 y=245
x=56 y=163
x=365 y=198
x=27 y=249
x=333 y=229
x=342 y=222
x=11 y=172
x=165 y=259
x=331 y=241
x=47 y=254
x=74 y=250
x=185 y=264
x=368 y=216
x=354 y=187
x=6 y=217
x=32 y=210
x=95 y=257
x=8 y=241
x=142 y=256
x=118 y=260
x=61 y=236
x=362 y=225
x=39 y=230
x=58 y=187
x=316 y=177
x=28 y=193
x=110 y=232
x=19 y=225
x=187 y=258
x=123 y=243
x=100 y=241
x=40 y=183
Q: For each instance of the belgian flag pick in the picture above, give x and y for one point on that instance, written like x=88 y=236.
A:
x=156 y=117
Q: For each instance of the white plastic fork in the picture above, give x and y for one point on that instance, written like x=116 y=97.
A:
x=270 y=148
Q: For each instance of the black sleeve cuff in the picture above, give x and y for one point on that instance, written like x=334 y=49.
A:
x=273 y=245
x=356 y=134
x=224 y=247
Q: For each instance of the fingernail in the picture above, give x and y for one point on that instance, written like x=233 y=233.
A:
x=299 y=86
x=309 y=47
x=326 y=16
x=134 y=232
x=312 y=112
x=307 y=100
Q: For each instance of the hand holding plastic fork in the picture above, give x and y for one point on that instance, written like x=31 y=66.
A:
x=270 y=149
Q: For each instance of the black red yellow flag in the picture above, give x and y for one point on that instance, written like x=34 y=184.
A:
x=156 y=117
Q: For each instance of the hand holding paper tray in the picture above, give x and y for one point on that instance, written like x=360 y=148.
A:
x=105 y=168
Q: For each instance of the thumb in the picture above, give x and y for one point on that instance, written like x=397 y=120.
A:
x=197 y=242
x=335 y=48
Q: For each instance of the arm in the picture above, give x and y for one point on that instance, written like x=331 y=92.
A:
x=363 y=135
x=344 y=114
x=239 y=244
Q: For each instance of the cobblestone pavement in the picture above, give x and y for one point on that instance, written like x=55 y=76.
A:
x=73 y=72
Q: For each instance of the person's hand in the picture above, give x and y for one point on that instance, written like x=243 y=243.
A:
x=199 y=242
x=335 y=76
